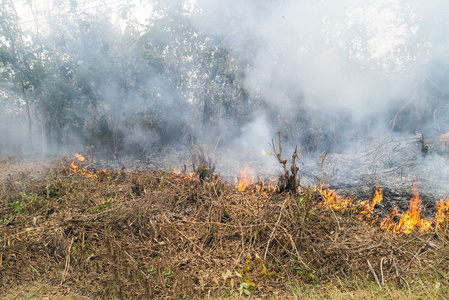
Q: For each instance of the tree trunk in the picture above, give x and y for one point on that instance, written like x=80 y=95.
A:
x=207 y=118
x=27 y=105
x=48 y=131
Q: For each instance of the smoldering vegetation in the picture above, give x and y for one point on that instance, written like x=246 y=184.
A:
x=154 y=234
x=359 y=87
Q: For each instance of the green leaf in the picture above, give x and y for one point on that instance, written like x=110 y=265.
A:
x=246 y=285
x=226 y=274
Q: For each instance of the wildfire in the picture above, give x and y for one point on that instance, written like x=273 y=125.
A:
x=183 y=172
x=411 y=220
x=366 y=208
x=79 y=157
x=83 y=171
x=407 y=222
x=334 y=201
x=396 y=222
x=331 y=199
x=246 y=179
x=247 y=182
x=74 y=167
x=442 y=215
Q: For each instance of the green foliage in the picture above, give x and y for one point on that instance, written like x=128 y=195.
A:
x=89 y=79
x=246 y=285
x=7 y=220
x=18 y=207
x=151 y=271
x=106 y=204
x=25 y=201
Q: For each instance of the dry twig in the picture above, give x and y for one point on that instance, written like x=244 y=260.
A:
x=374 y=273
x=399 y=111
x=287 y=181
x=67 y=261
x=274 y=229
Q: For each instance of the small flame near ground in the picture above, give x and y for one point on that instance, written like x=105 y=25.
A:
x=442 y=215
x=183 y=173
x=409 y=221
x=246 y=179
x=331 y=200
x=247 y=182
x=79 y=157
x=84 y=171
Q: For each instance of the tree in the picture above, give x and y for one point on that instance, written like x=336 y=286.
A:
x=20 y=71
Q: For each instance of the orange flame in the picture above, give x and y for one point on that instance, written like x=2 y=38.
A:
x=442 y=215
x=388 y=223
x=334 y=201
x=366 y=208
x=84 y=171
x=79 y=156
x=245 y=181
x=182 y=173
x=411 y=220
x=74 y=167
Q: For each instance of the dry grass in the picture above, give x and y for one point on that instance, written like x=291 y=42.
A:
x=154 y=234
x=427 y=289
x=39 y=290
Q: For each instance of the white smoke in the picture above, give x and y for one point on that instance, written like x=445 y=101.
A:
x=347 y=55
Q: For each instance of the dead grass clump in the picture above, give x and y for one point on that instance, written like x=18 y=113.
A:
x=160 y=235
x=203 y=162
x=289 y=181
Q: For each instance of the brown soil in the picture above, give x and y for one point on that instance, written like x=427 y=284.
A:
x=14 y=166
x=153 y=234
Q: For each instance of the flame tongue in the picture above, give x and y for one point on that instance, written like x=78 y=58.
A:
x=442 y=215
x=79 y=157
x=411 y=220
x=74 y=167
x=334 y=201
x=84 y=171
x=245 y=181
x=365 y=208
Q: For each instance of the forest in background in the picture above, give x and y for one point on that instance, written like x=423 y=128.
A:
x=86 y=81
x=197 y=71
x=328 y=76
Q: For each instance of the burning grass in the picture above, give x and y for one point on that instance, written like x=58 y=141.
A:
x=156 y=234
x=406 y=222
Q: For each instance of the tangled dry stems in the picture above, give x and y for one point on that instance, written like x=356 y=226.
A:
x=160 y=235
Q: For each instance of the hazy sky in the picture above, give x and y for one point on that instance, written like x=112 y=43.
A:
x=45 y=9
x=348 y=54
x=365 y=57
